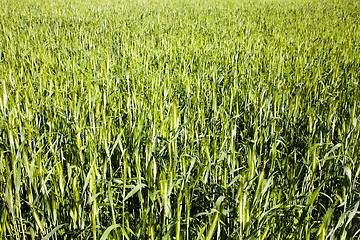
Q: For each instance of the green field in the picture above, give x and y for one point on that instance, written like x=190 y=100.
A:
x=179 y=119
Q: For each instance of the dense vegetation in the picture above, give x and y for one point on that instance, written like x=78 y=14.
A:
x=186 y=119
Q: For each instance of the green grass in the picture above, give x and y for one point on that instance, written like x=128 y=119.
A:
x=188 y=119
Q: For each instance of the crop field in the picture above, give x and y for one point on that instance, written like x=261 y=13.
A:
x=179 y=119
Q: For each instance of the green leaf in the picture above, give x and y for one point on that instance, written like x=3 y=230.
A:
x=94 y=196
x=108 y=230
x=352 y=212
x=134 y=190
x=347 y=171
x=50 y=234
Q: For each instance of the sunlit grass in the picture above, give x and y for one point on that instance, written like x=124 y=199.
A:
x=179 y=119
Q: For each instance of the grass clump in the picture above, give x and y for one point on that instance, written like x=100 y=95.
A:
x=179 y=119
